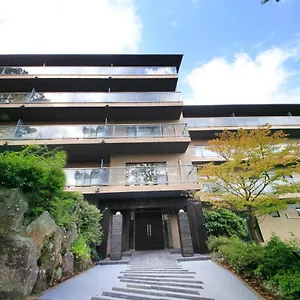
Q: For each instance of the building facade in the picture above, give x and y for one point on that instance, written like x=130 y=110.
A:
x=205 y=121
x=119 y=118
x=133 y=147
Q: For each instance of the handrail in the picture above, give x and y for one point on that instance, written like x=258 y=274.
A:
x=94 y=131
x=45 y=97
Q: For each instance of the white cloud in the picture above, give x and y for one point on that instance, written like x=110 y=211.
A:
x=69 y=26
x=245 y=80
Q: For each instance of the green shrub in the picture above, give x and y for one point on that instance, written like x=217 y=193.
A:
x=87 y=218
x=37 y=172
x=273 y=263
x=277 y=255
x=289 y=284
x=243 y=257
x=214 y=242
x=222 y=222
x=80 y=248
x=63 y=208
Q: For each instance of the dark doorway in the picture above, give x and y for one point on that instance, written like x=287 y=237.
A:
x=149 y=231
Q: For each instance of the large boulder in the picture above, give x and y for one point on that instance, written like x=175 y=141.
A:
x=13 y=205
x=67 y=264
x=40 y=229
x=82 y=264
x=69 y=237
x=18 y=266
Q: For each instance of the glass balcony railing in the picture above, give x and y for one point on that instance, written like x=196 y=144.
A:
x=204 y=152
x=46 y=70
x=37 y=97
x=26 y=132
x=242 y=121
x=210 y=187
x=131 y=176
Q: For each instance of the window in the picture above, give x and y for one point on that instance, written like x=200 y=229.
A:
x=146 y=174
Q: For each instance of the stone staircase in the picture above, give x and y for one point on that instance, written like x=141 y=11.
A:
x=155 y=275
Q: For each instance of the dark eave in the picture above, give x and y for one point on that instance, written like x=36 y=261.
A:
x=77 y=84
x=77 y=113
x=122 y=60
x=240 y=110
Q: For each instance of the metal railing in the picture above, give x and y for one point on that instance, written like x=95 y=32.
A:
x=48 y=70
x=131 y=176
x=242 y=121
x=39 y=97
x=26 y=132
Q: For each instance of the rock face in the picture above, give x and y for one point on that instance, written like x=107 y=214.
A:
x=69 y=237
x=40 y=229
x=13 y=205
x=35 y=257
x=67 y=264
x=18 y=254
x=17 y=264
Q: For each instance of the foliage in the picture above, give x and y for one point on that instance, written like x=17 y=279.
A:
x=251 y=166
x=222 y=222
x=273 y=263
x=87 y=218
x=277 y=256
x=63 y=209
x=37 y=171
x=265 y=1
x=80 y=248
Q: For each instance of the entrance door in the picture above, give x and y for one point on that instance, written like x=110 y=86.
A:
x=148 y=231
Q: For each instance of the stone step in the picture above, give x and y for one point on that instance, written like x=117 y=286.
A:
x=159 y=276
x=162 y=279
x=158 y=272
x=115 y=295
x=162 y=288
x=159 y=294
x=191 y=286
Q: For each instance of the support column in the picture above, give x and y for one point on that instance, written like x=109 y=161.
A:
x=185 y=234
x=198 y=230
x=116 y=237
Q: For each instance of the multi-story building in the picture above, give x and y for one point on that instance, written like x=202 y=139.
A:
x=119 y=118
x=132 y=146
x=205 y=121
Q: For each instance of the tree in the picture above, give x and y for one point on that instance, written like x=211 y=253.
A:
x=255 y=175
x=265 y=1
x=223 y=222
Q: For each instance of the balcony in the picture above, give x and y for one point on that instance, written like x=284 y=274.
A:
x=92 y=142
x=64 y=79
x=61 y=107
x=207 y=127
x=132 y=179
x=204 y=154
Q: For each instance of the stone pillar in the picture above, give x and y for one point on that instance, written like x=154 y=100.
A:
x=185 y=234
x=116 y=237
x=198 y=230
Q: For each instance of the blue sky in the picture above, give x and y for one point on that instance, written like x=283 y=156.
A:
x=235 y=51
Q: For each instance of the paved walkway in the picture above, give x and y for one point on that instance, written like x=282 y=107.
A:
x=154 y=275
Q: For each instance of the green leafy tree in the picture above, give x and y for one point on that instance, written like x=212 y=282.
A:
x=254 y=175
x=222 y=222
x=38 y=172
x=265 y=1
